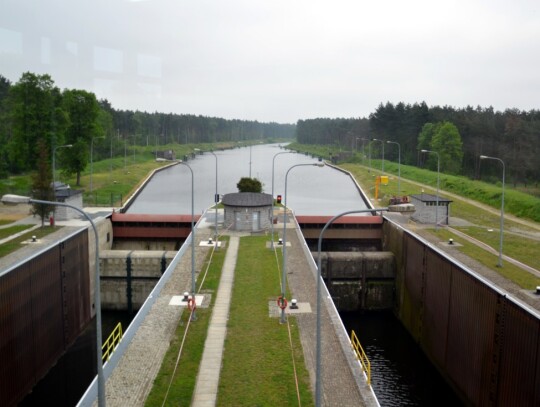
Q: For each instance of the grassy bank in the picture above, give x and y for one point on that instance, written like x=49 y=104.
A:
x=257 y=362
x=16 y=243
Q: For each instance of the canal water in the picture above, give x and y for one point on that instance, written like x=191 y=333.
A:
x=311 y=190
x=401 y=374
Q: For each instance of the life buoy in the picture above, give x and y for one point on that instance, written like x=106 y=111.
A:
x=191 y=304
x=282 y=302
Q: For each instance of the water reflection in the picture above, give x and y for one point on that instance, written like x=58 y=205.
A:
x=311 y=190
x=401 y=374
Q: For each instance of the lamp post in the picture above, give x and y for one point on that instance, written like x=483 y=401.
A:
x=250 y=161
x=54 y=164
x=485 y=157
x=356 y=143
x=437 y=200
x=15 y=199
x=318 y=382
x=283 y=276
x=382 y=143
x=369 y=154
x=92 y=159
x=216 y=196
x=192 y=239
x=54 y=171
x=399 y=165
x=272 y=216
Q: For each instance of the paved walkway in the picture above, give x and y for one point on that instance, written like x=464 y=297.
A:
x=206 y=387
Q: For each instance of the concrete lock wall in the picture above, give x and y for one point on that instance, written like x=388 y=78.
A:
x=128 y=276
x=359 y=280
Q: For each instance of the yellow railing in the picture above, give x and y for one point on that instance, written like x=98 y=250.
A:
x=112 y=342
x=361 y=355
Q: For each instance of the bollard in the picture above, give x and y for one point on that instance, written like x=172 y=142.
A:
x=294 y=304
x=280 y=242
x=186 y=296
x=450 y=241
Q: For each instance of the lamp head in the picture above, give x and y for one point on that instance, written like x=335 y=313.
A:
x=483 y=157
x=10 y=199
x=424 y=151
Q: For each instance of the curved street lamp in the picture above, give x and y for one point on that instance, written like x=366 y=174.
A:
x=437 y=200
x=485 y=157
x=16 y=199
x=92 y=158
x=283 y=276
x=382 y=143
x=399 y=165
x=318 y=382
x=216 y=198
x=192 y=239
x=272 y=215
x=54 y=164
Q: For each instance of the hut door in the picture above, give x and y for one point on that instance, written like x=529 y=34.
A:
x=255 y=225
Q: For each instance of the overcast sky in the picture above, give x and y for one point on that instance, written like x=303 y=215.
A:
x=278 y=60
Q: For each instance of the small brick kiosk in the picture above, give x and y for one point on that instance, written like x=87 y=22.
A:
x=425 y=205
x=248 y=211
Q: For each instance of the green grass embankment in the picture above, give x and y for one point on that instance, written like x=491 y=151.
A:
x=257 y=362
x=16 y=243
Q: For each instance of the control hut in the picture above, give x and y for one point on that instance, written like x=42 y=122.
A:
x=425 y=209
x=247 y=211
x=65 y=194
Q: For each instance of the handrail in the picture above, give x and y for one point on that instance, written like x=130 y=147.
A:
x=112 y=342
x=361 y=355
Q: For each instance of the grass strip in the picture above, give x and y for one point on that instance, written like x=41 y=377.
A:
x=183 y=385
x=12 y=230
x=257 y=367
x=513 y=273
x=15 y=244
x=515 y=246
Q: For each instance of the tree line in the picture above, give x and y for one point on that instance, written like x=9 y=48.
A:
x=459 y=135
x=36 y=115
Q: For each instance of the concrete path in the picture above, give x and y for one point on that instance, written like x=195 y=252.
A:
x=206 y=387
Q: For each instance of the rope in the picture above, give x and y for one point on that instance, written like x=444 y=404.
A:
x=187 y=328
x=178 y=358
x=294 y=364
x=290 y=337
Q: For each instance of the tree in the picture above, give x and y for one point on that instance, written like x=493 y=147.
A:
x=35 y=114
x=84 y=119
x=41 y=184
x=249 y=185
x=444 y=138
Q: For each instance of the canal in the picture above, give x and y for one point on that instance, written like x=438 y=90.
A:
x=402 y=376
